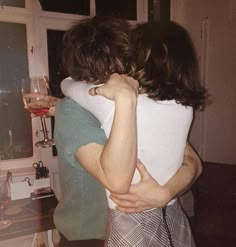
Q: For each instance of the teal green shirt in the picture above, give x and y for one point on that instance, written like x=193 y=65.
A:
x=82 y=209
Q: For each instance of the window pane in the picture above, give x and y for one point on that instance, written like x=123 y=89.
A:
x=153 y=10
x=80 y=7
x=13 y=3
x=56 y=72
x=15 y=124
x=159 y=10
x=126 y=9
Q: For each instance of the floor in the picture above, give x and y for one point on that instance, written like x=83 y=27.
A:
x=214 y=223
x=214 y=232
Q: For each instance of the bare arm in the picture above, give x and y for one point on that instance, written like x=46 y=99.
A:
x=114 y=163
x=149 y=194
x=186 y=175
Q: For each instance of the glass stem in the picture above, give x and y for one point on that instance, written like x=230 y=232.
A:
x=45 y=132
x=2 y=213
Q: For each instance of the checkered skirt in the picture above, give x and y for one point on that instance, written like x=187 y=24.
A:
x=147 y=229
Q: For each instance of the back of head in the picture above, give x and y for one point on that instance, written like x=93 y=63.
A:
x=170 y=70
x=95 y=48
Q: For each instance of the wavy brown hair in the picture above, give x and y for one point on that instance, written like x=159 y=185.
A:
x=167 y=66
x=94 y=48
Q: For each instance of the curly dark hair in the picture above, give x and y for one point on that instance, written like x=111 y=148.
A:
x=94 y=48
x=167 y=66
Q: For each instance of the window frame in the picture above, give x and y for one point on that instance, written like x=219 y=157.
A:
x=37 y=23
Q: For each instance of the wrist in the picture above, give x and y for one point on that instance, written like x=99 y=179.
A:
x=126 y=97
x=166 y=196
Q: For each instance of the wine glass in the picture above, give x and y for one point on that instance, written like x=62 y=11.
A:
x=36 y=97
x=4 y=199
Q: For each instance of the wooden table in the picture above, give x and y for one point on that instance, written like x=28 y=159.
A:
x=29 y=217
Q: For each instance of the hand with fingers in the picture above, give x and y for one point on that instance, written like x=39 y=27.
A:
x=117 y=86
x=144 y=195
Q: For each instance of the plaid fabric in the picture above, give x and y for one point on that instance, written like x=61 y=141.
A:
x=147 y=229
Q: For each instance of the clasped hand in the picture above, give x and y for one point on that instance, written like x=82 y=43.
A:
x=117 y=86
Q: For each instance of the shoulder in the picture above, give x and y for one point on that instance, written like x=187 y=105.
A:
x=163 y=110
x=68 y=85
x=76 y=125
x=144 y=100
x=69 y=111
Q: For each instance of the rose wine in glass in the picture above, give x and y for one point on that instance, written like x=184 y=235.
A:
x=39 y=111
x=4 y=199
x=36 y=97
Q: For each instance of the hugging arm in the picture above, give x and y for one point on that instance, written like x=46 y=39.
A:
x=187 y=174
x=149 y=194
x=114 y=163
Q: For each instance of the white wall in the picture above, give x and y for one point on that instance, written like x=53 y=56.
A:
x=212 y=26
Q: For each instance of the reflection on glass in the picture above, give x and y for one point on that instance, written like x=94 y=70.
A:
x=153 y=10
x=80 y=7
x=56 y=71
x=15 y=124
x=4 y=199
x=13 y=3
x=126 y=9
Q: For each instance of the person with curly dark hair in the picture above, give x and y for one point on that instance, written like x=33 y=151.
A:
x=95 y=48
x=163 y=126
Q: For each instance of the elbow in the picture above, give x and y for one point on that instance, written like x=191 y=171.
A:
x=199 y=168
x=119 y=187
x=117 y=182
